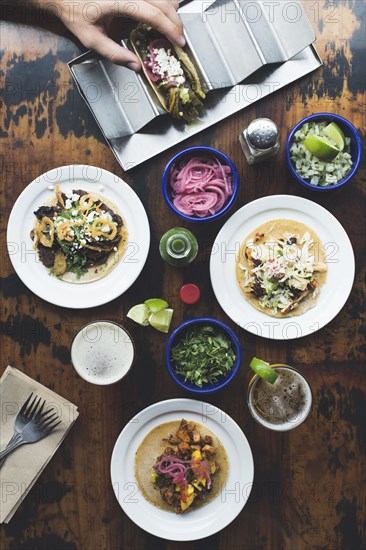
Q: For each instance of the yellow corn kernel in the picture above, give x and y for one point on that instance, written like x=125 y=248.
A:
x=196 y=455
x=199 y=484
x=213 y=468
x=154 y=477
x=196 y=484
x=190 y=499
x=177 y=489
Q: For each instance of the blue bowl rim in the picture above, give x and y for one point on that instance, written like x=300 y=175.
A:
x=227 y=330
x=227 y=205
x=358 y=155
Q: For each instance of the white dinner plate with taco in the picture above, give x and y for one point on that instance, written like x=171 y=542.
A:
x=78 y=236
x=282 y=267
x=182 y=469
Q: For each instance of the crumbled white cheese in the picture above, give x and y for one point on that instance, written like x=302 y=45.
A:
x=166 y=65
x=115 y=249
x=105 y=229
x=75 y=197
x=74 y=212
x=90 y=217
x=68 y=204
x=82 y=242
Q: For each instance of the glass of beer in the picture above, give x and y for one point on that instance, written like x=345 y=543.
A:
x=283 y=405
x=102 y=352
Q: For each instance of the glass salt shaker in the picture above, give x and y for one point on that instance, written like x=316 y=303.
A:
x=260 y=141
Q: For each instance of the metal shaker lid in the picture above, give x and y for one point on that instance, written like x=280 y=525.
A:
x=262 y=133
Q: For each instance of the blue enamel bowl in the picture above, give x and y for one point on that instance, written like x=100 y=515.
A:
x=180 y=332
x=349 y=131
x=192 y=152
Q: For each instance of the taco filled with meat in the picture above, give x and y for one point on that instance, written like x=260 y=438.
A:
x=79 y=236
x=170 y=72
x=281 y=268
x=180 y=466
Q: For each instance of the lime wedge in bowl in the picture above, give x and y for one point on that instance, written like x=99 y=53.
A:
x=156 y=304
x=334 y=132
x=161 y=320
x=140 y=314
x=263 y=369
x=321 y=147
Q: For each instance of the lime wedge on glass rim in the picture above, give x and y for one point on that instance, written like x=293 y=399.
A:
x=262 y=369
x=156 y=304
x=334 y=132
x=321 y=147
x=140 y=314
x=161 y=320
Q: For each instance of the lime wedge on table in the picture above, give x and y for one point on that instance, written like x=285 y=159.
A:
x=140 y=314
x=156 y=304
x=263 y=370
x=321 y=147
x=161 y=320
x=334 y=132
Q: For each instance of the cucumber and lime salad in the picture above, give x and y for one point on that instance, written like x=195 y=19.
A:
x=320 y=153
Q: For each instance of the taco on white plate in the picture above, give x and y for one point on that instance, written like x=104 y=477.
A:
x=79 y=236
x=281 y=268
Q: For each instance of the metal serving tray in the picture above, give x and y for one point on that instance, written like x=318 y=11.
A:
x=242 y=56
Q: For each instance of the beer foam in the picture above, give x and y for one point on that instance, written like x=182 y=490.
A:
x=102 y=352
x=283 y=405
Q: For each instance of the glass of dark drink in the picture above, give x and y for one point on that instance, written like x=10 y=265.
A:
x=283 y=405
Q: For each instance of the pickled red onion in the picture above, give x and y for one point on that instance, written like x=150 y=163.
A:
x=202 y=471
x=201 y=186
x=172 y=467
x=175 y=468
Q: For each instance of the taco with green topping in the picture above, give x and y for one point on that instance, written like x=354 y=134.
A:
x=170 y=72
x=79 y=236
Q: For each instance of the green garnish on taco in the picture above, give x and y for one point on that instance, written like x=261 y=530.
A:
x=79 y=236
x=171 y=73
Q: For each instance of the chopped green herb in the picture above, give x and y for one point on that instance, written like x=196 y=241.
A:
x=78 y=264
x=203 y=355
x=66 y=248
x=66 y=214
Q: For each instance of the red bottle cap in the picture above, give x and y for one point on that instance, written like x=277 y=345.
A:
x=190 y=293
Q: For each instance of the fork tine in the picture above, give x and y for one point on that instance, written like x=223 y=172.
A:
x=51 y=426
x=38 y=415
x=25 y=404
x=47 y=420
x=28 y=412
x=34 y=410
x=45 y=417
x=45 y=413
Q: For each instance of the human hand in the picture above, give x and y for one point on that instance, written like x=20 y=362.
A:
x=90 y=23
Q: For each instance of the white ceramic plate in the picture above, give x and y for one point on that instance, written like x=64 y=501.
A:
x=339 y=257
x=26 y=262
x=204 y=521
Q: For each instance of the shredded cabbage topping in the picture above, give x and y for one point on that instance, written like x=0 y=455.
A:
x=282 y=271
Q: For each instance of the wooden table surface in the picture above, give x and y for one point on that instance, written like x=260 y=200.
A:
x=308 y=482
